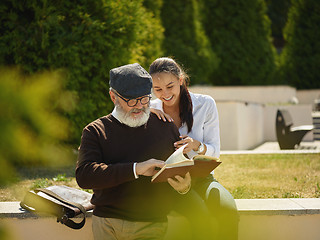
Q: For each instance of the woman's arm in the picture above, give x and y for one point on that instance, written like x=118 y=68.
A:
x=205 y=128
x=211 y=133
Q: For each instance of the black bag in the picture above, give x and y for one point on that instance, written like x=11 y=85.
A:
x=60 y=201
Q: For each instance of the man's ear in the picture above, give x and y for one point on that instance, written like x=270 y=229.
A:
x=112 y=96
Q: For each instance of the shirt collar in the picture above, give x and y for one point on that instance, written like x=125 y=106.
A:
x=116 y=114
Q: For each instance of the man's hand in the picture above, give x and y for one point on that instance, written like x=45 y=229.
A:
x=180 y=184
x=147 y=168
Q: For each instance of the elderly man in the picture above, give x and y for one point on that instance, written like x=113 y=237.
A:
x=118 y=154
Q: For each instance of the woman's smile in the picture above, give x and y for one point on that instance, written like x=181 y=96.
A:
x=168 y=99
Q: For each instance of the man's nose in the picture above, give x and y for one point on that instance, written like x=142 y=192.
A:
x=139 y=105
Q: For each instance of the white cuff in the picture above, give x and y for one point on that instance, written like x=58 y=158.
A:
x=134 y=170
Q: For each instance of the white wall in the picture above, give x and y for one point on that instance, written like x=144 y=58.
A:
x=240 y=125
x=244 y=126
x=247 y=114
x=250 y=125
x=308 y=96
x=252 y=226
x=257 y=94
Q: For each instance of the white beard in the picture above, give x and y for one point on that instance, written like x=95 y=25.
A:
x=125 y=117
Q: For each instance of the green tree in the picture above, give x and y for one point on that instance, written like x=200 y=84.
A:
x=300 y=58
x=85 y=38
x=154 y=6
x=239 y=32
x=185 y=39
x=151 y=40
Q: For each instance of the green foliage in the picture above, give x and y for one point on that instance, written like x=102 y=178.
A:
x=300 y=58
x=185 y=39
x=149 y=34
x=317 y=190
x=32 y=126
x=45 y=182
x=40 y=183
x=239 y=32
x=61 y=178
x=154 y=6
x=291 y=195
x=85 y=38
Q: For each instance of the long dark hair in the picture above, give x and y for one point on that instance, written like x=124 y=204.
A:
x=168 y=65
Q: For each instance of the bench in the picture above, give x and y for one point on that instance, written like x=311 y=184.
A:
x=287 y=135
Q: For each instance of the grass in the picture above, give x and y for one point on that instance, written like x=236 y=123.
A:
x=245 y=176
x=40 y=177
x=270 y=175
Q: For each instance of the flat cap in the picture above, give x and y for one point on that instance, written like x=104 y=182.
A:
x=131 y=81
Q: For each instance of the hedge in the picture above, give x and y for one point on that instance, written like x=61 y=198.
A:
x=185 y=39
x=239 y=33
x=85 y=38
x=300 y=58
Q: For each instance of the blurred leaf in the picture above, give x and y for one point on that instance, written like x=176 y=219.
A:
x=32 y=122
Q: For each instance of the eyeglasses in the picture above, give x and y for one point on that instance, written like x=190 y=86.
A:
x=133 y=102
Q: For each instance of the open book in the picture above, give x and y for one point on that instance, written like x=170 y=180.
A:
x=178 y=164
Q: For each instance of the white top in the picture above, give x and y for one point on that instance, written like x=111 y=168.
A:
x=205 y=123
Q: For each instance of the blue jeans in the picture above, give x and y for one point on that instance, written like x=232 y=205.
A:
x=220 y=204
x=210 y=210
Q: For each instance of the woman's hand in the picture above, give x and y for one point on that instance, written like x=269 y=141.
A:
x=180 y=184
x=191 y=143
x=161 y=115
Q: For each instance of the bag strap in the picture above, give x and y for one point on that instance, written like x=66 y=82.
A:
x=65 y=219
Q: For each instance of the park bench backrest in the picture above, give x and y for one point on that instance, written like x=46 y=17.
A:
x=287 y=136
x=287 y=120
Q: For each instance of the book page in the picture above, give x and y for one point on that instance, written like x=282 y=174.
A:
x=177 y=156
x=205 y=158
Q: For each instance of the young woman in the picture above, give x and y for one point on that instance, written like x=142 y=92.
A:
x=196 y=117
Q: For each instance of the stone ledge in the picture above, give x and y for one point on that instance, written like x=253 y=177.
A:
x=13 y=210
x=283 y=206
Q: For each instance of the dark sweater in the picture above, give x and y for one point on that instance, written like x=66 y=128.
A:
x=107 y=152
